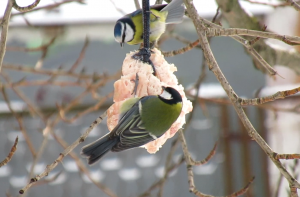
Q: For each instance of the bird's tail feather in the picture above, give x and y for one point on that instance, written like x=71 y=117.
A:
x=97 y=149
x=175 y=11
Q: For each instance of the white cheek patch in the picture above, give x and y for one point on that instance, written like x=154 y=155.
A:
x=129 y=33
x=166 y=95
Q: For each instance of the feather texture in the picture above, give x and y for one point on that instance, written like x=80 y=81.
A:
x=175 y=11
x=147 y=119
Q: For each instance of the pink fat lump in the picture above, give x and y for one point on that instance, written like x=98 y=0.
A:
x=148 y=85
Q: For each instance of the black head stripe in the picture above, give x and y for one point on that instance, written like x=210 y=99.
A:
x=128 y=21
x=176 y=97
x=123 y=35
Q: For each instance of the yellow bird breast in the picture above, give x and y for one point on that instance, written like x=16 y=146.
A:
x=157 y=26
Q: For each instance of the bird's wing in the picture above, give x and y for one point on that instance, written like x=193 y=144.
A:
x=155 y=7
x=131 y=131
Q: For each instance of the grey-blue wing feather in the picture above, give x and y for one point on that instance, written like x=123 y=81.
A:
x=175 y=12
x=155 y=7
x=131 y=131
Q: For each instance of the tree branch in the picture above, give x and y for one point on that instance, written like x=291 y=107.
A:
x=26 y=8
x=214 y=67
x=5 y=24
x=11 y=153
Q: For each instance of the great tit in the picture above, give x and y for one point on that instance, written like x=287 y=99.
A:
x=129 y=29
x=143 y=121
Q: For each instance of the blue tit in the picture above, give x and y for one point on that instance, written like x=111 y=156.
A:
x=129 y=29
x=142 y=120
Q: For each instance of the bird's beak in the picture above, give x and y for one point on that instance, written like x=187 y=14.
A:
x=121 y=44
x=163 y=87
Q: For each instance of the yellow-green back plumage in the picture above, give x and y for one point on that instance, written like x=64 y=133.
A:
x=127 y=105
x=157 y=26
x=158 y=116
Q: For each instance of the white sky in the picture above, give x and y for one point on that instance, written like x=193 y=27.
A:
x=104 y=10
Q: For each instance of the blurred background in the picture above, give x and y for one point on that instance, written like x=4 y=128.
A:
x=81 y=34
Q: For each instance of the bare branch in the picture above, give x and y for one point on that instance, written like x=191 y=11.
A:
x=275 y=5
x=5 y=24
x=51 y=6
x=10 y=154
x=286 y=156
x=137 y=4
x=117 y=8
x=81 y=55
x=53 y=72
x=200 y=27
x=278 y=95
x=26 y=8
x=50 y=167
x=182 y=50
x=82 y=167
x=291 y=40
x=20 y=122
x=40 y=48
x=295 y=5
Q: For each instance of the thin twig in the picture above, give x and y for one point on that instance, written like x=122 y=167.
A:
x=26 y=8
x=59 y=159
x=291 y=40
x=268 y=3
x=81 y=55
x=40 y=48
x=47 y=7
x=117 y=8
x=182 y=50
x=20 y=122
x=82 y=167
x=159 y=182
x=137 y=4
x=10 y=154
x=286 y=156
x=262 y=100
x=53 y=72
x=190 y=163
x=295 y=5
x=247 y=44
x=45 y=132
x=277 y=190
x=81 y=113
x=31 y=106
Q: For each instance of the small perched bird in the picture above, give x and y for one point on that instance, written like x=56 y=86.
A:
x=141 y=121
x=129 y=28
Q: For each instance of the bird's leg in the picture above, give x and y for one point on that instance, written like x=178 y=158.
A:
x=136 y=83
x=153 y=45
x=144 y=53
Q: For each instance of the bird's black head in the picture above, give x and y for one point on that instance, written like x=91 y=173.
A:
x=170 y=96
x=124 y=30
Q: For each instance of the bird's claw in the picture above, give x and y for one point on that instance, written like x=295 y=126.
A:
x=143 y=55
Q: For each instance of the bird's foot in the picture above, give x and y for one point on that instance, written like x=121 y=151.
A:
x=144 y=55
